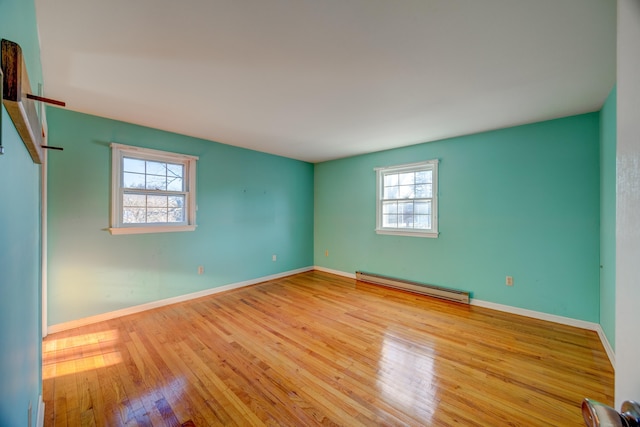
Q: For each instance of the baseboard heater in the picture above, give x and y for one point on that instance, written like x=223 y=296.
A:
x=434 y=291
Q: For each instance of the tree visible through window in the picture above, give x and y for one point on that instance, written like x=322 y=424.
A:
x=407 y=199
x=152 y=191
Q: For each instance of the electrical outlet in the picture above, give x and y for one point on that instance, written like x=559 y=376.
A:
x=201 y=270
x=509 y=281
x=274 y=258
x=326 y=253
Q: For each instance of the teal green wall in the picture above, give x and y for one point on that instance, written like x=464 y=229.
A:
x=20 y=272
x=522 y=201
x=251 y=205
x=608 y=217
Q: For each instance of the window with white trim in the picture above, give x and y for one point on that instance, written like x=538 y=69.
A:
x=407 y=199
x=152 y=191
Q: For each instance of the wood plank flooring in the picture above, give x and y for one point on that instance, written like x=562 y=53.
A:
x=319 y=349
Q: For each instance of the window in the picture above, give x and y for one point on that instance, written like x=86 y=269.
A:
x=152 y=191
x=407 y=199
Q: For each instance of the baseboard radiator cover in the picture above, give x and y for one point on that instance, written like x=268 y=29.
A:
x=420 y=288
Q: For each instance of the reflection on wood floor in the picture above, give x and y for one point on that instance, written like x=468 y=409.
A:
x=318 y=349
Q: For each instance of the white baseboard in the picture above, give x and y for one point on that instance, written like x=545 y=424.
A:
x=336 y=272
x=52 y=329
x=40 y=415
x=582 y=324
x=607 y=346
x=486 y=304
x=536 y=314
x=524 y=312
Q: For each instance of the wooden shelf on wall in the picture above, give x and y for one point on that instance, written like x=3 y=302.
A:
x=20 y=107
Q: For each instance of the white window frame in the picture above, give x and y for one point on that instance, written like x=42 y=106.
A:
x=118 y=152
x=431 y=165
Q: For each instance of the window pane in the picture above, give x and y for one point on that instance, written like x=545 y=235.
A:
x=390 y=193
x=132 y=180
x=155 y=182
x=132 y=165
x=152 y=175
x=134 y=200
x=422 y=222
x=422 y=208
x=406 y=192
x=157 y=201
x=405 y=207
x=175 y=170
x=176 y=215
x=405 y=214
x=389 y=220
x=156 y=168
x=406 y=178
x=174 y=184
x=405 y=221
x=134 y=215
x=390 y=179
x=176 y=201
x=421 y=191
x=421 y=177
x=156 y=215
x=390 y=207
x=428 y=189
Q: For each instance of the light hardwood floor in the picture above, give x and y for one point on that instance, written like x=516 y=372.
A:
x=318 y=349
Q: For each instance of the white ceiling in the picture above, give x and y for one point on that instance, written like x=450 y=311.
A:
x=324 y=79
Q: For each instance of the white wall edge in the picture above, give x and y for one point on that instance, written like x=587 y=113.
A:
x=44 y=253
x=52 y=329
x=582 y=324
x=40 y=415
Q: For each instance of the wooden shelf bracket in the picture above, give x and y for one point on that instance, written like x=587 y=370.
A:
x=19 y=101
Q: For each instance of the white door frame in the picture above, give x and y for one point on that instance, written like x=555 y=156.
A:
x=43 y=222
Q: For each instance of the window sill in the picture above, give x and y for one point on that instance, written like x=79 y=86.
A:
x=429 y=234
x=152 y=229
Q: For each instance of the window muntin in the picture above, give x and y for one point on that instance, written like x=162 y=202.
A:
x=152 y=191
x=407 y=199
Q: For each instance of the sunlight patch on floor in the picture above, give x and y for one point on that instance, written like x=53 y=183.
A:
x=79 y=353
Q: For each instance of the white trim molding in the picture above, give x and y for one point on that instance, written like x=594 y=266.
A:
x=582 y=324
x=607 y=346
x=44 y=253
x=143 y=230
x=40 y=414
x=161 y=303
